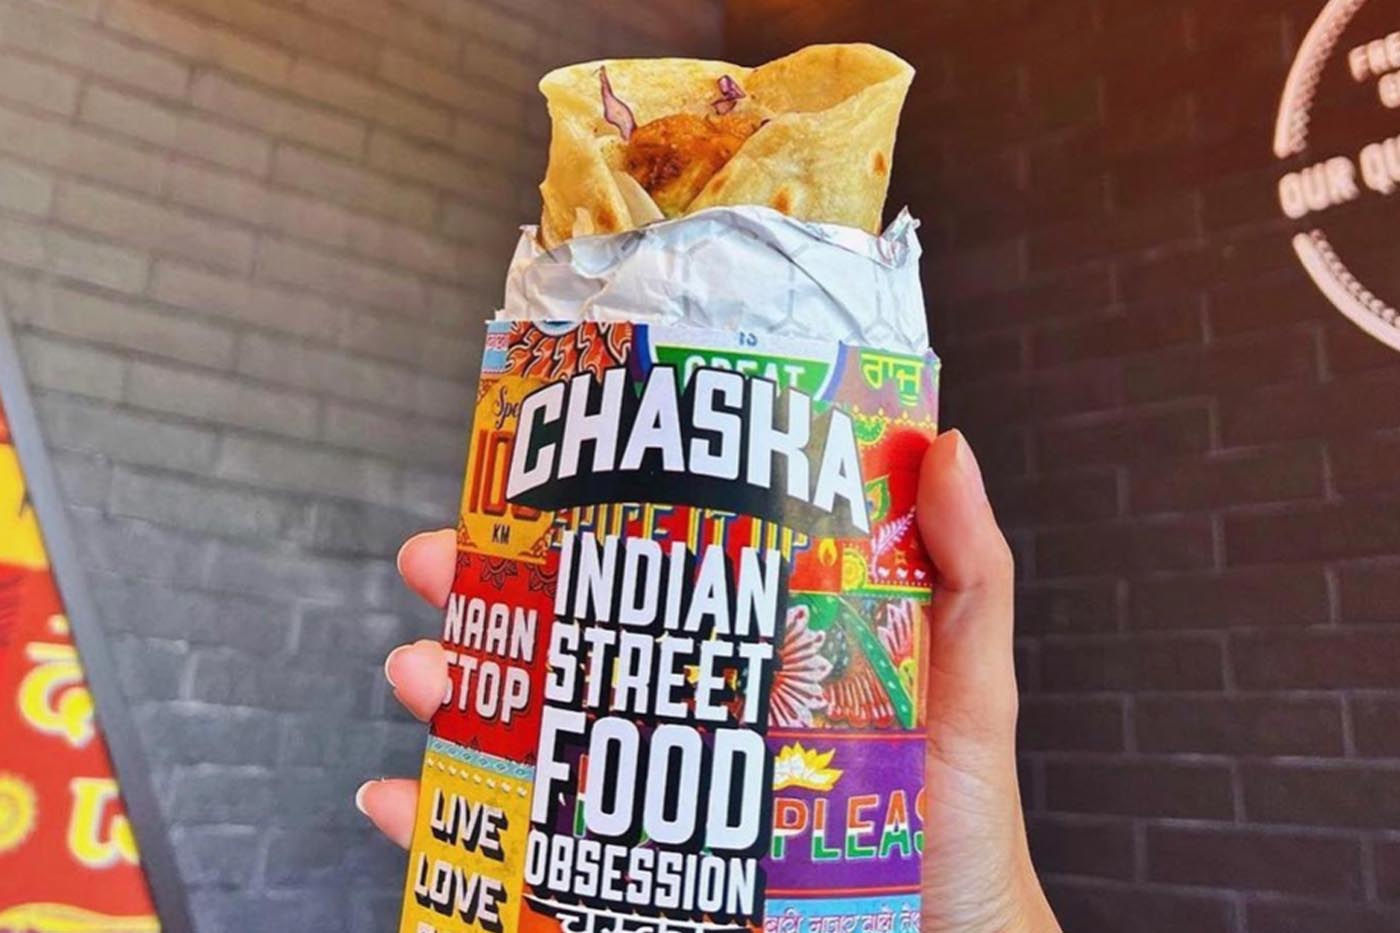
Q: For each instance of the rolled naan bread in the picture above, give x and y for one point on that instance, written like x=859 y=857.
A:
x=638 y=140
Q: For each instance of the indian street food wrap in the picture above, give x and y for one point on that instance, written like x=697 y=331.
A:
x=687 y=630
x=810 y=135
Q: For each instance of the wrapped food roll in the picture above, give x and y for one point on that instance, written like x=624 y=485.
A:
x=687 y=630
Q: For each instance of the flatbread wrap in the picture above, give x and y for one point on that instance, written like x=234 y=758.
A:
x=637 y=140
x=687 y=627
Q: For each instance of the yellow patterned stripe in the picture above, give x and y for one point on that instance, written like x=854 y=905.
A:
x=64 y=918
x=20 y=543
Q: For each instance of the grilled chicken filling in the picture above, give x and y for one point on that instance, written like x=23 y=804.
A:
x=674 y=157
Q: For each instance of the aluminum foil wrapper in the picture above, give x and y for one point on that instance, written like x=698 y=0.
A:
x=733 y=268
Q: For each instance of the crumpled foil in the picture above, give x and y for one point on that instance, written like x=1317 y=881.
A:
x=732 y=268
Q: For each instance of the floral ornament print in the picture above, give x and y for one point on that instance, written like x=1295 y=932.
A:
x=797 y=686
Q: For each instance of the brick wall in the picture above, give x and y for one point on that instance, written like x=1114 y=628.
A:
x=248 y=245
x=1193 y=453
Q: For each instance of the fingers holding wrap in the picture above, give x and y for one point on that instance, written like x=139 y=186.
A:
x=390 y=804
x=418 y=675
x=972 y=674
x=427 y=562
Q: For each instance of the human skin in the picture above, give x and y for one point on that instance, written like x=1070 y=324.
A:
x=978 y=876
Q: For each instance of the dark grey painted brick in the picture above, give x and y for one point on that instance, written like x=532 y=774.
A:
x=133 y=548
x=244 y=622
x=357 y=529
x=434 y=494
x=316 y=797
x=220 y=399
x=308 y=857
x=403 y=746
x=217 y=856
x=416 y=442
x=284 y=573
x=83 y=479
x=374 y=912
x=315 y=369
x=328 y=740
x=197 y=733
x=231 y=678
x=124 y=435
x=221 y=794
x=54 y=363
x=203 y=508
x=320 y=910
x=337 y=631
x=304 y=468
x=149 y=669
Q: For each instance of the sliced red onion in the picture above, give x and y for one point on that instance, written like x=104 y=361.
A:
x=614 y=110
x=729 y=94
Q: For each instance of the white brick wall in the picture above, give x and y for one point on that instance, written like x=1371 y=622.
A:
x=249 y=245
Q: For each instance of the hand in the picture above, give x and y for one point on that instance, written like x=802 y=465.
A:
x=978 y=876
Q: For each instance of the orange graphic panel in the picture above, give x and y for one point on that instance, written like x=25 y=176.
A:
x=68 y=859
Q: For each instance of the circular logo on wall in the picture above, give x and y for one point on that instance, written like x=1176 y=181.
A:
x=1336 y=138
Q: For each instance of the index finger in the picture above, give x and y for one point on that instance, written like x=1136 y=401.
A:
x=427 y=562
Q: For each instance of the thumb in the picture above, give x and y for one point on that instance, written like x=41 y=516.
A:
x=972 y=679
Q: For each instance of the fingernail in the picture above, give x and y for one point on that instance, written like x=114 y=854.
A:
x=390 y=660
x=968 y=468
x=360 y=797
x=398 y=558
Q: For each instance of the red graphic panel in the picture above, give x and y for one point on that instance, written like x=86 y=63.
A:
x=68 y=858
x=496 y=633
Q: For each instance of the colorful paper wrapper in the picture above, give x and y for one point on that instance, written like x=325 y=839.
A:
x=687 y=630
